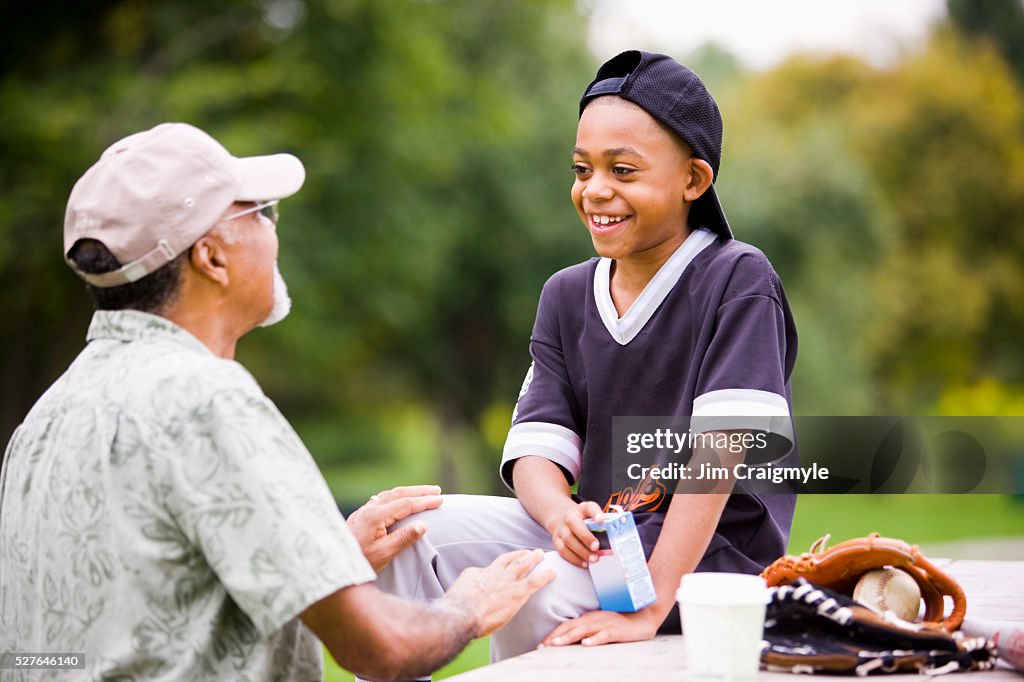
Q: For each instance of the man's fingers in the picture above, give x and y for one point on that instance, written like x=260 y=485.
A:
x=406 y=506
x=387 y=513
x=539 y=579
x=521 y=561
x=403 y=537
x=504 y=560
x=526 y=563
x=407 y=491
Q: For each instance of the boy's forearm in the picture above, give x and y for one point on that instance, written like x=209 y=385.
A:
x=689 y=526
x=542 y=489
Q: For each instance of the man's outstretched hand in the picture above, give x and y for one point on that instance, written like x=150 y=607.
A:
x=497 y=592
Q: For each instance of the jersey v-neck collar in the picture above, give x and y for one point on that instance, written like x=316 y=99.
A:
x=624 y=329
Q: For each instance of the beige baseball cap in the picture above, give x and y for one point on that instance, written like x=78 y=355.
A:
x=155 y=193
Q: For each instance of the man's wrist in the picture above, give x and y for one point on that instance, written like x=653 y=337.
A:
x=463 y=612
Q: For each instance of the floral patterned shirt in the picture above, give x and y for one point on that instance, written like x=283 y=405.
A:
x=160 y=516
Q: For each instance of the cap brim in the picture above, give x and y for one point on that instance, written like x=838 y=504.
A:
x=707 y=212
x=269 y=177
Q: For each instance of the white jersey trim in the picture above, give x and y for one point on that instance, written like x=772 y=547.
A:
x=625 y=329
x=741 y=408
x=551 y=441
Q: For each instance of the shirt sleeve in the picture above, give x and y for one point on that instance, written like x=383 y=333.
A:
x=743 y=381
x=248 y=494
x=546 y=419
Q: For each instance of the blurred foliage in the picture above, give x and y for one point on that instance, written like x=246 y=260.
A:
x=892 y=202
x=436 y=135
x=1000 y=22
x=434 y=209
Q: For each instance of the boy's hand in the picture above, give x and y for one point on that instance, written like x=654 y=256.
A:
x=572 y=539
x=605 y=627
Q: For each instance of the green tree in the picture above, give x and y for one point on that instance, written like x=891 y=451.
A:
x=793 y=185
x=436 y=137
x=1000 y=21
x=891 y=202
x=944 y=137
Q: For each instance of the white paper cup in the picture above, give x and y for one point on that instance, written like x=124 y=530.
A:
x=723 y=625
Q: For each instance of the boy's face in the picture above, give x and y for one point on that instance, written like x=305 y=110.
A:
x=632 y=179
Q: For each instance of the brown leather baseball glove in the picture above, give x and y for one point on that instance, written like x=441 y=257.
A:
x=840 y=567
x=810 y=629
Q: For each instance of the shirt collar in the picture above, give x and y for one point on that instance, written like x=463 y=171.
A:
x=134 y=325
x=625 y=329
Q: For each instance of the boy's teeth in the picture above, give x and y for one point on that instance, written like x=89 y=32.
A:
x=605 y=220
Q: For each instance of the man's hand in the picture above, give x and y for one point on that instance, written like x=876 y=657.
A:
x=569 y=534
x=497 y=592
x=370 y=523
x=379 y=636
x=605 y=627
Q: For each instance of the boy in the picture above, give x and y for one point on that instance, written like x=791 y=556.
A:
x=675 y=318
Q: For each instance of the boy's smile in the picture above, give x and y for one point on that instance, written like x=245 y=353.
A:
x=634 y=179
x=604 y=226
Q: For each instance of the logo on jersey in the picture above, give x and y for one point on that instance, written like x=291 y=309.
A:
x=526 y=386
x=646 y=496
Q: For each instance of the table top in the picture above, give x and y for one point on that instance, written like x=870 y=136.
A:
x=994 y=589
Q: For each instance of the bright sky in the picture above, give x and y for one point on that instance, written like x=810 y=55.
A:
x=763 y=32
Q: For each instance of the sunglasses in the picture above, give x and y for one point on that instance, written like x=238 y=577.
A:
x=267 y=209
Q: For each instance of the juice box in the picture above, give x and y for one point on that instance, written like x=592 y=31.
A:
x=620 y=573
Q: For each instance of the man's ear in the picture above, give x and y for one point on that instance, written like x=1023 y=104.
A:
x=209 y=257
x=701 y=176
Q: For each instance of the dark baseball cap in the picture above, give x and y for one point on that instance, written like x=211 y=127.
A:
x=676 y=97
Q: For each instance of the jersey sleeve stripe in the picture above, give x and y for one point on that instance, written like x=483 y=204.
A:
x=742 y=408
x=551 y=441
x=740 y=402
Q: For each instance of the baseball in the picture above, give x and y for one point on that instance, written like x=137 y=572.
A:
x=889 y=589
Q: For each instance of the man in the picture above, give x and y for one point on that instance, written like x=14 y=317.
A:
x=157 y=513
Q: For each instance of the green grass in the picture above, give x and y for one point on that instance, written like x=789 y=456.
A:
x=918 y=519
x=477 y=654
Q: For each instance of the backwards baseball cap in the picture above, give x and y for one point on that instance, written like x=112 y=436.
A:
x=153 y=194
x=677 y=98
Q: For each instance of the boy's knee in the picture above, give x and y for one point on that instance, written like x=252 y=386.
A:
x=444 y=524
x=472 y=518
x=569 y=595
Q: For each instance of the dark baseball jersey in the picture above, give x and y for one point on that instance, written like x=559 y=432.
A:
x=711 y=336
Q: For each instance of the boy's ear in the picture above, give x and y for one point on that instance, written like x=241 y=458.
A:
x=209 y=258
x=701 y=176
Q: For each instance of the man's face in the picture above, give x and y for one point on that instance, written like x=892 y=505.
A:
x=630 y=177
x=253 y=248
